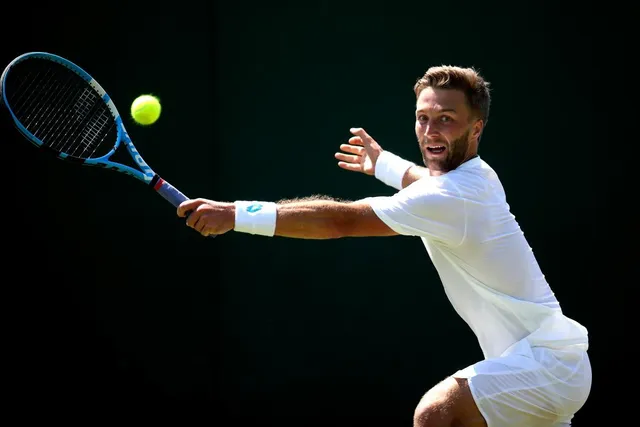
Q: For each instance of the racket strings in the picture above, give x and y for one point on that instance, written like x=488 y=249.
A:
x=60 y=108
x=26 y=104
x=82 y=136
x=93 y=134
x=45 y=106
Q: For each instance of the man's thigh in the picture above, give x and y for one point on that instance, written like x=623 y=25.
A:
x=536 y=390
x=449 y=403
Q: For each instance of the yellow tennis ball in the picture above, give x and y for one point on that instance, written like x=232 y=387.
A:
x=145 y=109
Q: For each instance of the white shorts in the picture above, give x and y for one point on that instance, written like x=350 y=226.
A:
x=530 y=386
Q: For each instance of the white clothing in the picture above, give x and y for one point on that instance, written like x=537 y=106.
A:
x=530 y=386
x=487 y=269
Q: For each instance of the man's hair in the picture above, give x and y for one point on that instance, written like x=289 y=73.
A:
x=467 y=80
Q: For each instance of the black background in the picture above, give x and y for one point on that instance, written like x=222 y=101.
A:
x=115 y=311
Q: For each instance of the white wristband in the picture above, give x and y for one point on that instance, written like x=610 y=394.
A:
x=390 y=169
x=256 y=217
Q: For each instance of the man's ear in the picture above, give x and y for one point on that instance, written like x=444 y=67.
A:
x=476 y=130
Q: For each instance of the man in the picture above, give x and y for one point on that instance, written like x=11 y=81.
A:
x=536 y=371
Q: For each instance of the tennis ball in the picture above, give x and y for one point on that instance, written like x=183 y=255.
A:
x=145 y=109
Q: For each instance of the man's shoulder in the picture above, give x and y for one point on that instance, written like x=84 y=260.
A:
x=475 y=181
x=476 y=166
x=475 y=177
x=470 y=180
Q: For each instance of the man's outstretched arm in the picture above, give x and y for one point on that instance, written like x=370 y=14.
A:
x=309 y=218
x=321 y=218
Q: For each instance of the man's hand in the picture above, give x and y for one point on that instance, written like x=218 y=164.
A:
x=363 y=153
x=208 y=217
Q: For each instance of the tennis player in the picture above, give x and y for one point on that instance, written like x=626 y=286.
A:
x=535 y=370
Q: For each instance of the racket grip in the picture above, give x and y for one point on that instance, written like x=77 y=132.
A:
x=171 y=194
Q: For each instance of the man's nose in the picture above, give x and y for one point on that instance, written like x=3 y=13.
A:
x=431 y=131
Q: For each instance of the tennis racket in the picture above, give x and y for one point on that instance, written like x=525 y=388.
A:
x=61 y=109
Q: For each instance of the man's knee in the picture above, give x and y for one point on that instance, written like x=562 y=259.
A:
x=449 y=403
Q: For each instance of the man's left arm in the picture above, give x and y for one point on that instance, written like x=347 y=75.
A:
x=431 y=208
x=328 y=219
x=310 y=218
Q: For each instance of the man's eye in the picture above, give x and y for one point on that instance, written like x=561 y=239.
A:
x=445 y=119
x=422 y=118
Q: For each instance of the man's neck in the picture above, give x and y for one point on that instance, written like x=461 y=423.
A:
x=433 y=172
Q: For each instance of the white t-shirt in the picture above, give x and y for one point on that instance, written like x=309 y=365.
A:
x=487 y=268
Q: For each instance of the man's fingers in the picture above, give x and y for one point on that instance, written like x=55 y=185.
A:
x=356 y=140
x=188 y=205
x=353 y=149
x=349 y=158
x=197 y=224
x=359 y=132
x=193 y=218
x=355 y=167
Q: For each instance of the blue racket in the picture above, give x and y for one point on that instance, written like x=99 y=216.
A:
x=60 y=108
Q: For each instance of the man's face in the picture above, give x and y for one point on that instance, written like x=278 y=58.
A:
x=446 y=131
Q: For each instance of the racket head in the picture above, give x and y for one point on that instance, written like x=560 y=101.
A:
x=58 y=106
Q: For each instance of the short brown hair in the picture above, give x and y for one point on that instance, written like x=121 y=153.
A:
x=467 y=80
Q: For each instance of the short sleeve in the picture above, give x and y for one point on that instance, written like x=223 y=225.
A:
x=430 y=207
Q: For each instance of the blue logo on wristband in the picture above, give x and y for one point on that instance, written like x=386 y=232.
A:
x=254 y=207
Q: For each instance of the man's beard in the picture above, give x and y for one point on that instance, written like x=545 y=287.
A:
x=456 y=155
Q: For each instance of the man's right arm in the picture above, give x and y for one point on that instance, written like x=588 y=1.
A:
x=363 y=154
x=397 y=172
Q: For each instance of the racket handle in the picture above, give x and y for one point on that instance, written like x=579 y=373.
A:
x=171 y=194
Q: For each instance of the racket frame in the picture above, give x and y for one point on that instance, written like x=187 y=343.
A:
x=145 y=174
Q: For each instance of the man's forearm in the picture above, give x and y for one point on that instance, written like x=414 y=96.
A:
x=323 y=218
x=413 y=174
x=310 y=219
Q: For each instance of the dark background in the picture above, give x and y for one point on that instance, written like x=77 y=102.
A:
x=115 y=311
